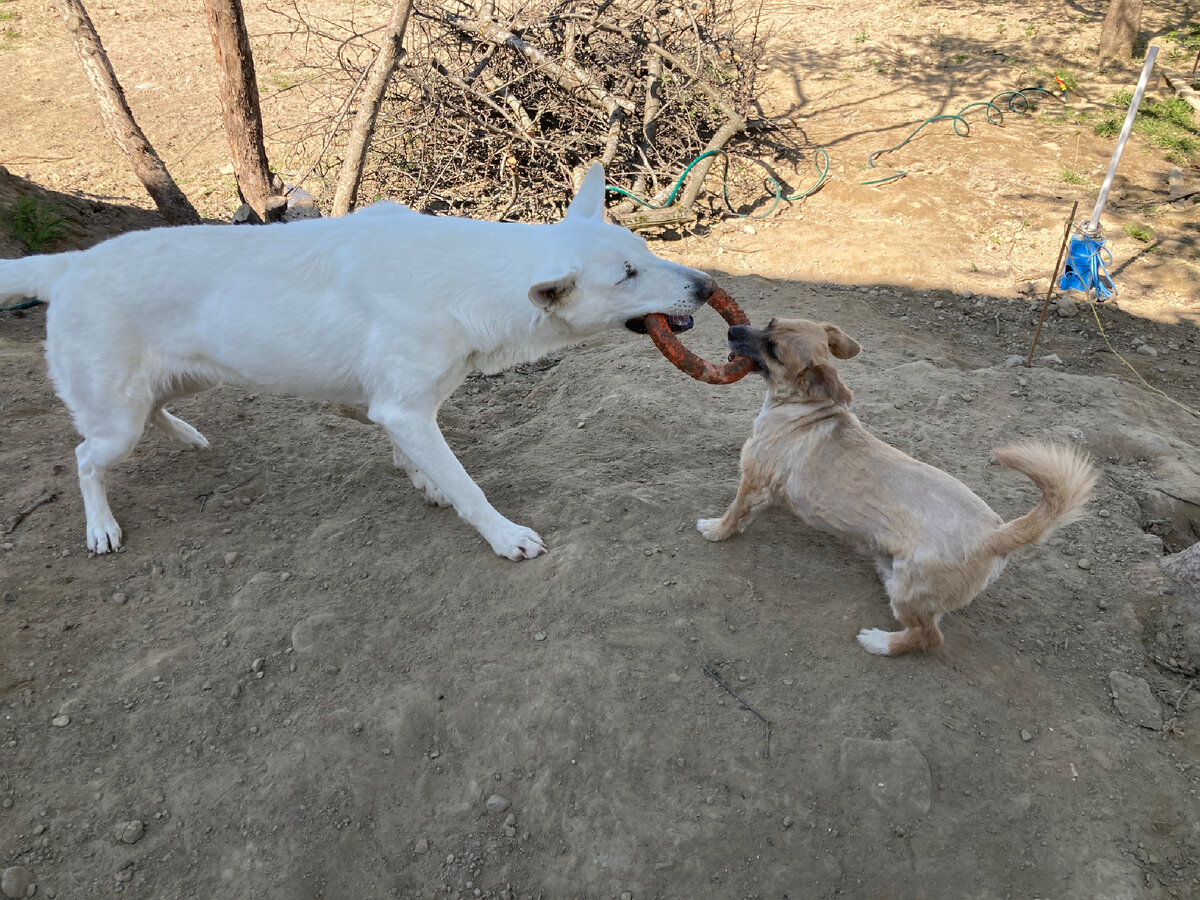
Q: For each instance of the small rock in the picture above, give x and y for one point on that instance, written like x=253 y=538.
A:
x=10 y=597
x=498 y=804
x=749 y=229
x=61 y=721
x=1134 y=701
x=421 y=846
x=14 y=881
x=540 y=636
x=1084 y=563
x=626 y=895
x=1014 y=361
x=1147 y=350
x=1026 y=736
x=257 y=665
x=231 y=558
x=226 y=169
x=119 y=598
x=129 y=832
x=246 y=215
x=1052 y=359
x=1067 y=308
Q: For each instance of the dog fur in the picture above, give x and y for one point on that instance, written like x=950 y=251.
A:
x=386 y=309
x=936 y=544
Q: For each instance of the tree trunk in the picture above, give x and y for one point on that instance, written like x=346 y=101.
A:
x=378 y=77
x=115 y=112
x=239 y=102
x=1120 y=29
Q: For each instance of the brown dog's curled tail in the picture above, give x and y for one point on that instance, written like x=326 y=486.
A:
x=1066 y=478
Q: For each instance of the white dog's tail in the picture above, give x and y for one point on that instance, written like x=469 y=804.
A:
x=1065 y=477
x=33 y=276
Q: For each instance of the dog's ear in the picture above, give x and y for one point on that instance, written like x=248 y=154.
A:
x=823 y=381
x=589 y=201
x=550 y=292
x=841 y=344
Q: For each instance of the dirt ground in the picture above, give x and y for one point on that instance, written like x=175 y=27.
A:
x=297 y=681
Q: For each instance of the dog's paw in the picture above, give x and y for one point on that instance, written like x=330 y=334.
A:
x=874 y=640
x=104 y=537
x=194 y=441
x=181 y=432
x=711 y=529
x=518 y=542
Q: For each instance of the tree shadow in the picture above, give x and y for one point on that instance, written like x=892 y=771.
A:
x=80 y=220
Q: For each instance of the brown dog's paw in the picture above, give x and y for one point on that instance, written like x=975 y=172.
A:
x=712 y=529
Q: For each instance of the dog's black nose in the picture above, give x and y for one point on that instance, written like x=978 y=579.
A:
x=705 y=286
x=737 y=332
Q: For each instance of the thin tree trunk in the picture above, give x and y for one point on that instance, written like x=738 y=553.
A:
x=115 y=112
x=239 y=102
x=1120 y=29
x=378 y=77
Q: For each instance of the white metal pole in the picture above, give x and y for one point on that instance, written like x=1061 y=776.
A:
x=1093 y=226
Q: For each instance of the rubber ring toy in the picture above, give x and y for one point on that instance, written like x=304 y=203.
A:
x=686 y=361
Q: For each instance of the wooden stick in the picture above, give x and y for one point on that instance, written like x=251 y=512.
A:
x=1053 y=278
x=20 y=516
x=712 y=673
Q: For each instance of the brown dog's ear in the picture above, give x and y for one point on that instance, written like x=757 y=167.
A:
x=840 y=344
x=823 y=381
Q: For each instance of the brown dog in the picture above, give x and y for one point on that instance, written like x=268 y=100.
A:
x=936 y=544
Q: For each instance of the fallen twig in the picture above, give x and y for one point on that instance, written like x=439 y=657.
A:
x=20 y=516
x=712 y=673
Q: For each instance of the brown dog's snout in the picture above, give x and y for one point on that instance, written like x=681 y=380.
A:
x=739 y=332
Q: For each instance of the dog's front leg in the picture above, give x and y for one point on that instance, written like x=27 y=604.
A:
x=416 y=436
x=750 y=500
x=420 y=480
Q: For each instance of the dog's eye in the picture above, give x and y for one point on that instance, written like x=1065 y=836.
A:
x=630 y=272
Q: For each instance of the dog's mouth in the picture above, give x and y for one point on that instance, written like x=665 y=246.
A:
x=742 y=350
x=676 y=324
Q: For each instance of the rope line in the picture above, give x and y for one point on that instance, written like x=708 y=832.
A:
x=1128 y=365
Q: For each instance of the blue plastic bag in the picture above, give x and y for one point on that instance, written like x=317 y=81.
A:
x=1087 y=267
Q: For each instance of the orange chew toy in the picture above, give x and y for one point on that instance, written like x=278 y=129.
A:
x=686 y=361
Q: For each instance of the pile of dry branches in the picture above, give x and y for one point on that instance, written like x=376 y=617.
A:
x=490 y=112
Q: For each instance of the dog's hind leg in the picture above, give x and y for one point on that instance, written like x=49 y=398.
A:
x=178 y=430
x=920 y=632
x=413 y=429
x=420 y=480
x=106 y=442
x=911 y=605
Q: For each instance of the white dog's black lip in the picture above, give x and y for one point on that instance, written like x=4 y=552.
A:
x=676 y=323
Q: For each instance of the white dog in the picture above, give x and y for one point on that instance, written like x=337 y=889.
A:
x=386 y=308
